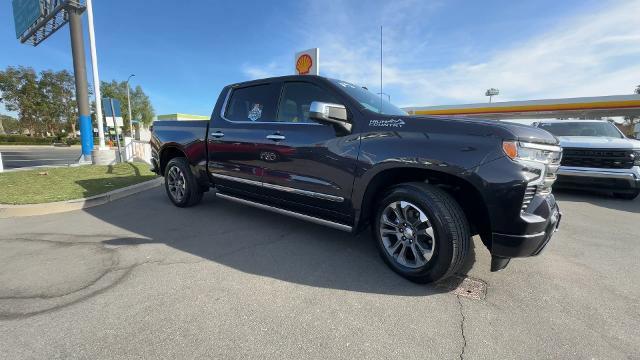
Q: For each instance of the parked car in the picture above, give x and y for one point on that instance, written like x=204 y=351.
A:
x=596 y=156
x=333 y=153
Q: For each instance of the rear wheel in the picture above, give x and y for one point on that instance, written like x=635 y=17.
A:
x=180 y=184
x=627 y=196
x=421 y=232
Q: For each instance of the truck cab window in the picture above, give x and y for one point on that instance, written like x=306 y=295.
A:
x=296 y=100
x=253 y=104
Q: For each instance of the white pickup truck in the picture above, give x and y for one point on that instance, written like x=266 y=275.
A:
x=596 y=156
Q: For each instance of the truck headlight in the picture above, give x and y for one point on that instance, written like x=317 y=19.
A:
x=541 y=162
x=636 y=157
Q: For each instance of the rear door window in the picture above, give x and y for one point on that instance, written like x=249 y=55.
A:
x=253 y=103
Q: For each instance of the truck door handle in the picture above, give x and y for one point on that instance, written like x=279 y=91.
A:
x=217 y=134
x=276 y=137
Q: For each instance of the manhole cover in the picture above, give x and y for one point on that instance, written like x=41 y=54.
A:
x=465 y=286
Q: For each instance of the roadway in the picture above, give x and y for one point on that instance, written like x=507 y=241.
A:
x=140 y=278
x=14 y=157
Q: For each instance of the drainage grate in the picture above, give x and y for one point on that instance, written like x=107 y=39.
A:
x=465 y=286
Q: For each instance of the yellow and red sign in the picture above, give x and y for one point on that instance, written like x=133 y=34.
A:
x=307 y=62
x=304 y=64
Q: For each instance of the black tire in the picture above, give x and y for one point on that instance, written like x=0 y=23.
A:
x=191 y=193
x=447 y=224
x=627 y=196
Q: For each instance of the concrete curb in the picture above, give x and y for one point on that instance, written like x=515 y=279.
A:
x=11 y=211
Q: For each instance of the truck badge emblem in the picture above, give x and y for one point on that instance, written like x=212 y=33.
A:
x=396 y=123
x=256 y=112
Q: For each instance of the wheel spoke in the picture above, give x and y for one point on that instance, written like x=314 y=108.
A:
x=386 y=221
x=395 y=207
x=392 y=249
x=418 y=258
x=426 y=254
x=401 y=255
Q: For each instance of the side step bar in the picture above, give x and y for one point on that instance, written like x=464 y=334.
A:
x=294 y=214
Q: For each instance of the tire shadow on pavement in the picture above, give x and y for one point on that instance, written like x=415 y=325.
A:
x=262 y=243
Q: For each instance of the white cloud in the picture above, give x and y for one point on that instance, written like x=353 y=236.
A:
x=587 y=55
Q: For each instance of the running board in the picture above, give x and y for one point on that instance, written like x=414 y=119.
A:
x=294 y=214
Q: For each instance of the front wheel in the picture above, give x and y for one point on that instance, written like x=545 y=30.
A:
x=421 y=232
x=180 y=184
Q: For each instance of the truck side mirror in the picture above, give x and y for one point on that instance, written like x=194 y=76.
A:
x=330 y=113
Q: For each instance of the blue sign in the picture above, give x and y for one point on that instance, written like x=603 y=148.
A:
x=106 y=106
x=25 y=14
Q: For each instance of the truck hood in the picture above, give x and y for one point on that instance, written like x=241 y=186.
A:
x=513 y=131
x=598 y=142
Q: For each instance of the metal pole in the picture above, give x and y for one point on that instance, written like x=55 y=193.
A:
x=129 y=106
x=82 y=89
x=115 y=127
x=96 y=76
x=380 y=70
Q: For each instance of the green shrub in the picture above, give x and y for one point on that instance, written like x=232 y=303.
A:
x=25 y=140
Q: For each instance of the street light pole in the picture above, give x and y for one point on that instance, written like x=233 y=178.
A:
x=96 y=76
x=385 y=94
x=129 y=106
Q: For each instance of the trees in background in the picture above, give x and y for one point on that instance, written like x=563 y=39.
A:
x=8 y=125
x=45 y=102
x=141 y=108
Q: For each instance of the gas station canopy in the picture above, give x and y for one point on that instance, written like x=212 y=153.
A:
x=583 y=107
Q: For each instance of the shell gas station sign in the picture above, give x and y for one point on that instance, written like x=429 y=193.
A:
x=308 y=62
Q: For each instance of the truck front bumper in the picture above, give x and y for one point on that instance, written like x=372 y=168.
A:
x=616 y=180
x=541 y=223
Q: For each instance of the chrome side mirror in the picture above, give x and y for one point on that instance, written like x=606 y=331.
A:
x=330 y=113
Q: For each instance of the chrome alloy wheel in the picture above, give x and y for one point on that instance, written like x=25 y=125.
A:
x=177 y=183
x=407 y=234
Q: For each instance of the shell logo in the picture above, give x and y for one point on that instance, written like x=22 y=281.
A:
x=304 y=64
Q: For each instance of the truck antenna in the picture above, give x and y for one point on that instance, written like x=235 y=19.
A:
x=381 y=92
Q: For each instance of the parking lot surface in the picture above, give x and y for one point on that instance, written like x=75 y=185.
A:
x=14 y=157
x=141 y=278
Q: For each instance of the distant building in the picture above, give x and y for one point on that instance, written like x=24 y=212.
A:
x=180 y=116
x=636 y=131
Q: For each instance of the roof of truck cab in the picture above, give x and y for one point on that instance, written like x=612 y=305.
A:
x=278 y=78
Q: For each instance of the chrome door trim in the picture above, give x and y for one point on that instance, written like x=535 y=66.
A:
x=281 y=188
x=294 y=214
x=303 y=192
x=276 y=137
x=237 y=179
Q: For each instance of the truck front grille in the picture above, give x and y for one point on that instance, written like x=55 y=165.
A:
x=598 y=158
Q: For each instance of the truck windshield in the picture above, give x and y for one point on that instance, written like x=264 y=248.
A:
x=600 y=129
x=369 y=100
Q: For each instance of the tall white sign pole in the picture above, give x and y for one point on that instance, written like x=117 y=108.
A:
x=96 y=76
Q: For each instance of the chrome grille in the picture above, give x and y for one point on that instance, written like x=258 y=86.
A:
x=529 y=193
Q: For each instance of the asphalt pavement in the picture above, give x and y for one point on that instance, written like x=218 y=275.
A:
x=14 y=157
x=140 y=278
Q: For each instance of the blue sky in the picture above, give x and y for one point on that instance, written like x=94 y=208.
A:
x=436 y=52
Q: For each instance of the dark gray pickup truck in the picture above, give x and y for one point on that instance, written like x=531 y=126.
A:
x=335 y=154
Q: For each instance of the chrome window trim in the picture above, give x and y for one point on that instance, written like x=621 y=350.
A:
x=294 y=214
x=226 y=103
x=281 y=188
x=554 y=148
